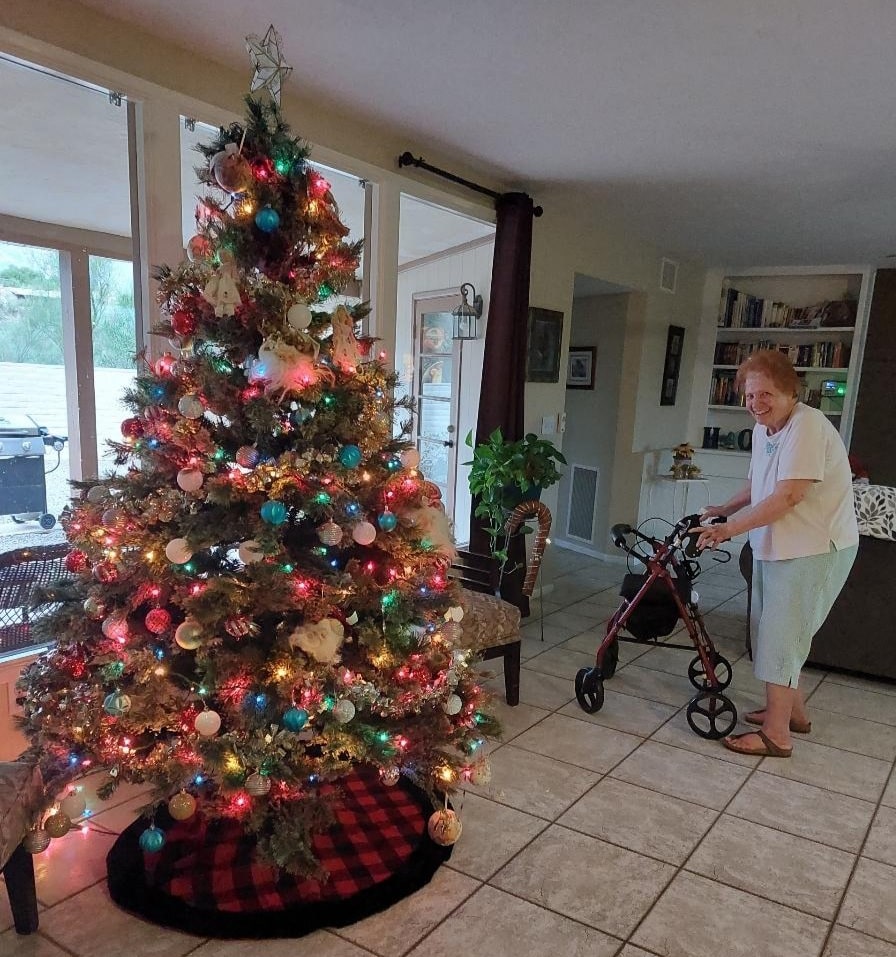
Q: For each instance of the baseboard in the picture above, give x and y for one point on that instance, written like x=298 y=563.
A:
x=582 y=549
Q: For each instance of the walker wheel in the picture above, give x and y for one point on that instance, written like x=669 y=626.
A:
x=722 y=667
x=711 y=715
x=589 y=690
x=611 y=660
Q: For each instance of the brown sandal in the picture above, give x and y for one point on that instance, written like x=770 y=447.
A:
x=771 y=750
x=797 y=727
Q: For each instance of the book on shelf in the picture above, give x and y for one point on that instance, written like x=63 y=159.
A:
x=741 y=310
x=823 y=355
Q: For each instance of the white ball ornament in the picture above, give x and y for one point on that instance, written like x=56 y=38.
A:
x=190 y=480
x=249 y=552
x=481 y=773
x=178 y=551
x=343 y=711
x=455 y=613
x=190 y=406
x=73 y=806
x=410 y=458
x=453 y=704
x=298 y=316
x=364 y=533
x=207 y=723
x=189 y=634
x=444 y=827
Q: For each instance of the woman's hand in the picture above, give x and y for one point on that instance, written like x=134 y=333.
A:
x=711 y=536
x=714 y=511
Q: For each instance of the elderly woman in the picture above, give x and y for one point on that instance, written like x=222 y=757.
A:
x=798 y=509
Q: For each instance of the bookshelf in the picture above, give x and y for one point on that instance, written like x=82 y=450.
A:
x=816 y=315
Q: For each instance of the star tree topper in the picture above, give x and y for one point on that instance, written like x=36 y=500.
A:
x=267 y=59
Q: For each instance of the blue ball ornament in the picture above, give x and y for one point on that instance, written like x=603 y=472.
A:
x=350 y=456
x=393 y=464
x=387 y=521
x=267 y=219
x=152 y=840
x=295 y=719
x=273 y=512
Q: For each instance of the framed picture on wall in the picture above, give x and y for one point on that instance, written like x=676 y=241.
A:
x=672 y=365
x=543 y=352
x=580 y=367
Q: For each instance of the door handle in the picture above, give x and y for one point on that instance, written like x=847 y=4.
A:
x=448 y=444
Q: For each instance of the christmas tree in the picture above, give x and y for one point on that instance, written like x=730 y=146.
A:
x=261 y=601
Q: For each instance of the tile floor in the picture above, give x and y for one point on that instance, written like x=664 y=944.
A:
x=618 y=834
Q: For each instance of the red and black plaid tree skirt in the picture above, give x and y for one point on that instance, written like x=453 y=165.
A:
x=206 y=880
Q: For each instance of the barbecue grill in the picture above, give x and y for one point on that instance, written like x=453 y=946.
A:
x=23 y=483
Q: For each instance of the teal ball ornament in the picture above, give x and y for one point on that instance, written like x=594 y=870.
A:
x=273 y=512
x=350 y=456
x=295 y=719
x=387 y=521
x=267 y=219
x=152 y=840
x=116 y=704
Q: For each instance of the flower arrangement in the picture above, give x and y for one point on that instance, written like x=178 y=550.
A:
x=682 y=462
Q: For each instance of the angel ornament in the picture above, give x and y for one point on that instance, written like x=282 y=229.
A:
x=346 y=352
x=222 y=290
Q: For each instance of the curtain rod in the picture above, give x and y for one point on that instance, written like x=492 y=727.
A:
x=407 y=159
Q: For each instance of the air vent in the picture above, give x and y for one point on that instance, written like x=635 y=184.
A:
x=668 y=275
x=582 y=502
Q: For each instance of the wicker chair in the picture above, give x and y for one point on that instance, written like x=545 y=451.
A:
x=20 y=571
x=21 y=796
x=491 y=626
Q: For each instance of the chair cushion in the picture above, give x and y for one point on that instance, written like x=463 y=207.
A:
x=488 y=621
x=21 y=794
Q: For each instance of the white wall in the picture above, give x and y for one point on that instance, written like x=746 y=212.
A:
x=592 y=416
x=472 y=264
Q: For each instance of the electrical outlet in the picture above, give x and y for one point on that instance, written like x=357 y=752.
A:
x=548 y=424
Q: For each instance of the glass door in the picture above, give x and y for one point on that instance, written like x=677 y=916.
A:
x=436 y=388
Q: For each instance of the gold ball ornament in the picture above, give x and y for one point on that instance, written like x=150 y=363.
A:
x=182 y=806
x=58 y=825
x=445 y=827
x=36 y=841
x=330 y=533
x=189 y=634
x=343 y=711
x=258 y=784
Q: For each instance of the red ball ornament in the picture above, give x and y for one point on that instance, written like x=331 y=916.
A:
x=263 y=169
x=165 y=366
x=132 y=428
x=76 y=561
x=238 y=626
x=157 y=620
x=318 y=187
x=183 y=323
x=105 y=572
x=198 y=247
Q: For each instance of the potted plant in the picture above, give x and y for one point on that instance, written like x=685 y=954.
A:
x=504 y=473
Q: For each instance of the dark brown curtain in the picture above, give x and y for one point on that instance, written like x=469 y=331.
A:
x=504 y=364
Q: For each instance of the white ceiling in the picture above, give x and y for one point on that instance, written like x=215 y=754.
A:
x=738 y=132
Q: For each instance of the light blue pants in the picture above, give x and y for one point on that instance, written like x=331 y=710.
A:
x=790 y=601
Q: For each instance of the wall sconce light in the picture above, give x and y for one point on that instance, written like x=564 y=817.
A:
x=466 y=316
